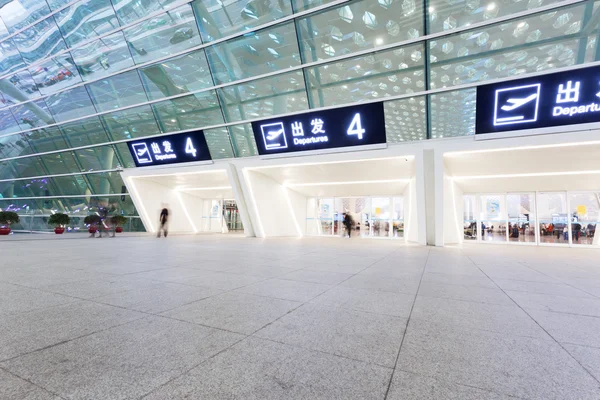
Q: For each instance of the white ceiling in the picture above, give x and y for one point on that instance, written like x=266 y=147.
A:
x=358 y=189
x=351 y=171
x=528 y=169
x=207 y=185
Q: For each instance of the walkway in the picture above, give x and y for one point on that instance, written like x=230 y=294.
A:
x=217 y=317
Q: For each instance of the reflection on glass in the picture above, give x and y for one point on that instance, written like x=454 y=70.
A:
x=446 y=15
x=102 y=57
x=357 y=26
x=242 y=140
x=59 y=163
x=71 y=104
x=218 y=19
x=8 y=124
x=84 y=132
x=405 y=120
x=453 y=113
x=17 y=14
x=373 y=76
x=32 y=115
x=380 y=216
x=130 y=123
x=124 y=155
x=219 y=143
x=256 y=53
x=553 y=217
x=40 y=41
x=18 y=88
x=585 y=216
x=130 y=11
x=85 y=20
x=46 y=139
x=535 y=43
x=164 y=35
x=97 y=158
x=55 y=74
x=521 y=217
x=280 y=94
x=189 y=112
x=176 y=75
x=493 y=218
x=11 y=58
x=470 y=227
x=117 y=91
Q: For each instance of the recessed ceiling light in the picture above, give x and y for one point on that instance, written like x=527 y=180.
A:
x=491 y=6
x=379 y=41
x=431 y=9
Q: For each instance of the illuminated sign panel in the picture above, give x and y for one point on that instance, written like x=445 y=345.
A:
x=563 y=98
x=358 y=125
x=170 y=149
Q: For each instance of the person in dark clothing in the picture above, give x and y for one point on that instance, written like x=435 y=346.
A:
x=348 y=224
x=164 y=218
x=514 y=234
x=576 y=227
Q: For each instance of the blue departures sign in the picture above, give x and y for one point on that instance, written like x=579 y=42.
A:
x=170 y=149
x=563 y=98
x=358 y=125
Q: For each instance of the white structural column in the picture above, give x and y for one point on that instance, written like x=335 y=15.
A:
x=431 y=171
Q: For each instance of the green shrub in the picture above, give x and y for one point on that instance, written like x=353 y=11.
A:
x=118 y=220
x=59 y=219
x=8 y=218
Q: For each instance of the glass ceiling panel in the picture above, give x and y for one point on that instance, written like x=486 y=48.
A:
x=189 y=112
x=357 y=26
x=40 y=41
x=163 y=36
x=176 y=76
x=405 y=120
x=256 y=53
x=85 y=20
x=117 y=91
x=536 y=43
x=218 y=19
x=265 y=97
x=383 y=74
x=102 y=57
x=18 y=14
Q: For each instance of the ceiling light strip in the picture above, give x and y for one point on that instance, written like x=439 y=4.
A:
x=527 y=175
x=339 y=183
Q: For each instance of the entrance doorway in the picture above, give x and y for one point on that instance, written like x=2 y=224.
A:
x=231 y=215
x=559 y=218
x=372 y=216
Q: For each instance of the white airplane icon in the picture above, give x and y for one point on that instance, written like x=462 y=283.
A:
x=141 y=152
x=274 y=134
x=516 y=103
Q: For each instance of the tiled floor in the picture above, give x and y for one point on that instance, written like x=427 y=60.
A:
x=222 y=317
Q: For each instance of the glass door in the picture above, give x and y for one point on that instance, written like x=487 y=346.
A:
x=585 y=215
x=470 y=227
x=521 y=217
x=398 y=218
x=326 y=216
x=493 y=218
x=553 y=218
x=380 y=216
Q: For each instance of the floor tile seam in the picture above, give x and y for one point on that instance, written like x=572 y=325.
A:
x=62 y=342
x=562 y=312
x=463 y=300
x=340 y=283
x=505 y=334
x=581 y=345
x=462 y=384
x=199 y=324
x=187 y=371
x=299 y=347
x=566 y=283
x=30 y=382
x=583 y=296
x=553 y=338
x=357 y=310
x=389 y=385
x=274 y=297
x=149 y=270
x=74 y=301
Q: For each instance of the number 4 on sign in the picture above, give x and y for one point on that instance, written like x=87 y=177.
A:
x=355 y=127
x=189 y=147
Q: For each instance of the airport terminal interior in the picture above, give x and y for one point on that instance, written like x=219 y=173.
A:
x=299 y=199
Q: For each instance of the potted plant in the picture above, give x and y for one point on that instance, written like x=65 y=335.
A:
x=6 y=219
x=118 y=221
x=93 y=221
x=60 y=220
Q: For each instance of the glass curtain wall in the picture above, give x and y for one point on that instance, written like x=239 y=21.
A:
x=77 y=78
x=544 y=218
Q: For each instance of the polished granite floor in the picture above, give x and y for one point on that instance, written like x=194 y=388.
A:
x=221 y=317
